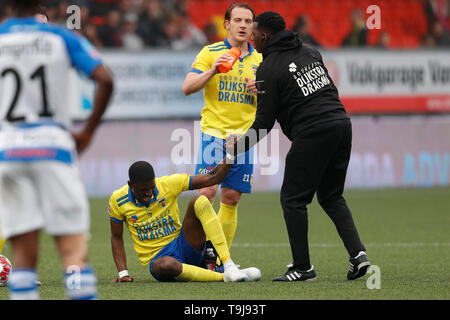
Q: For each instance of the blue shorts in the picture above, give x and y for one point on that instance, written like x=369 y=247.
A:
x=181 y=250
x=212 y=151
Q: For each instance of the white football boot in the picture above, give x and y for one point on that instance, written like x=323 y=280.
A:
x=232 y=273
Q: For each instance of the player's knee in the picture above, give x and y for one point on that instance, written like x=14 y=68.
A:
x=194 y=199
x=292 y=203
x=167 y=268
x=284 y=200
x=326 y=202
x=230 y=197
x=209 y=193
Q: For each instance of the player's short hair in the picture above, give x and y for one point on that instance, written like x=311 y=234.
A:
x=271 y=22
x=238 y=5
x=43 y=11
x=23 y=3
x=141 y=171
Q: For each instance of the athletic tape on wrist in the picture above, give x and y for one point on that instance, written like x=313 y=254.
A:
x=123 y=273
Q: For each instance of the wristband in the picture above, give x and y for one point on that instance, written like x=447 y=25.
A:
x=123 y=273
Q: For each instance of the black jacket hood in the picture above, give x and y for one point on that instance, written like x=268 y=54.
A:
x=282 y=41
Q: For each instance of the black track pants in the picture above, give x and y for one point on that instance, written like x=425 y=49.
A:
x=317 y=162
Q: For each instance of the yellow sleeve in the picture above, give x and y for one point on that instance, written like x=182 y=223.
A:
x=113 y=210
x=178 y=183
x=203 y=61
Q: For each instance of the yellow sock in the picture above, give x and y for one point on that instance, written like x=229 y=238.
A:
x=228 y=219
x=193 y=273
x=2 y=243
x=212 y=227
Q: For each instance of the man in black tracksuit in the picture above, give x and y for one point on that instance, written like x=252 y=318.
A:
x=295 y=89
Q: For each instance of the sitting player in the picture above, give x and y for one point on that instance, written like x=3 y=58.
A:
x=173 y=251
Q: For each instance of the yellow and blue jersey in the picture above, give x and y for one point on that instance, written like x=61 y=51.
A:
x=229 y=106
x=154 y=225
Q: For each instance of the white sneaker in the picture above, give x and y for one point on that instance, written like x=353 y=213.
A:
x=233 y=274
x=253 y=274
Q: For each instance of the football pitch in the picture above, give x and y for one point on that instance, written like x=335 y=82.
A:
x=406 y=232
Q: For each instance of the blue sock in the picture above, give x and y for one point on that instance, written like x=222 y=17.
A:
x=22 y=284
x=80 y=284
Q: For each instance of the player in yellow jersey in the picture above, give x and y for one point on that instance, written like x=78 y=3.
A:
x=173 y=250
x=230 y=106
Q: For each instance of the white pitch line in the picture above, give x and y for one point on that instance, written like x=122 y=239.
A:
x=333 y=245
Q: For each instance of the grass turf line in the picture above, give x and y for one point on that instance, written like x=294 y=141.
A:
x=406 y=232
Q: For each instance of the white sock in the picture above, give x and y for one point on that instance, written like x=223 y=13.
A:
x=229 y=264
x=22 y=284
x=81 y=284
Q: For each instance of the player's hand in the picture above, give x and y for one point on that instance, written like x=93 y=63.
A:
x=82 y=140
x=123 y=279
x=251 y=85
x=224 y=57
x=230 y=141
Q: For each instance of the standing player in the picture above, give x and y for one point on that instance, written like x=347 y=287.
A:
x=173 y=251
x=42 y=17
x=230 y=107
x=40 y=182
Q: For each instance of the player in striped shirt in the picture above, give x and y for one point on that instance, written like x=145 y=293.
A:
x=40 y=181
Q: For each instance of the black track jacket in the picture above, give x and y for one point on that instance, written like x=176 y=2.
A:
x=294 y=88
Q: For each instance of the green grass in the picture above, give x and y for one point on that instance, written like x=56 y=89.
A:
x=407 y=234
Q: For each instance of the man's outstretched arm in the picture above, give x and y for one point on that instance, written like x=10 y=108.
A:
x=215 y=176
x=118 y=251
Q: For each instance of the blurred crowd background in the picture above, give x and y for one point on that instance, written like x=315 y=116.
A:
x=191 y=24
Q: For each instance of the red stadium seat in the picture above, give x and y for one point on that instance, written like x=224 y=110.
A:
x=259 y=6
x=98 y=21
x=373 y=37
x=410 y=42
x=282 y=7
x=330 y=22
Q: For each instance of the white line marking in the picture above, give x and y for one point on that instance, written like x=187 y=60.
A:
x=334 y=245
